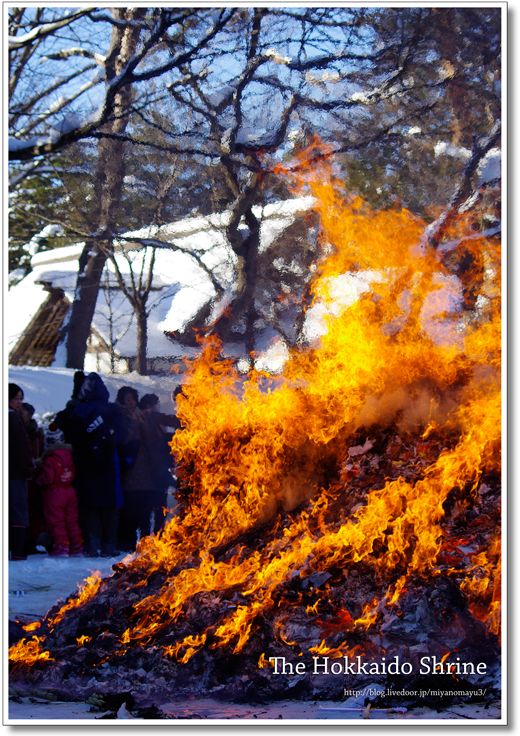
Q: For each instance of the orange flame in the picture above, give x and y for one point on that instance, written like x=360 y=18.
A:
x=407 y=341
x=27 y=652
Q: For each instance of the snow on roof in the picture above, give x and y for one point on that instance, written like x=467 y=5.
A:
x=180 y=286
x=58 y=255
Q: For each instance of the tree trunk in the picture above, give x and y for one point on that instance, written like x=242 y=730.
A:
x=82 y=311
x=251 y=274
x=246 y=249
x=108 y=183
x=142 y=338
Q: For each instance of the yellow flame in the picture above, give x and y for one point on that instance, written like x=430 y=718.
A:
x=407 y=350
x=29 y=651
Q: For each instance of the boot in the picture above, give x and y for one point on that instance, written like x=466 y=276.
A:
x=110 y=550
x=93 y=547
x=43 y=542
x=17 y=543
x=76 y=550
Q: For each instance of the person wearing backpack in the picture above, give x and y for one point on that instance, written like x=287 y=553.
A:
x=96 y=428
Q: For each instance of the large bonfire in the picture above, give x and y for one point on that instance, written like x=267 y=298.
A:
x=344 y=515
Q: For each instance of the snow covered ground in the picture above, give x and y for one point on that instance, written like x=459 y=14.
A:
x=39 y=582
x=206 y=711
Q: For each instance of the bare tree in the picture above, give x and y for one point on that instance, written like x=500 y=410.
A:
x=124 y=56
x=236 y=87
x=108 y=182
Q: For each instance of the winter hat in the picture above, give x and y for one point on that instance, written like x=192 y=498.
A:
x=53 y=435
x=79 y=378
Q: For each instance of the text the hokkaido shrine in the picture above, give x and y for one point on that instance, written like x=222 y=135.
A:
x=428 y=666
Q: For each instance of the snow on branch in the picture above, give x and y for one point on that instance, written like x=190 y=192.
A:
x=54 y=140
x=65 y=54
x=45 y=29
x=483 y=147
x=23 y=150
x=72 y=121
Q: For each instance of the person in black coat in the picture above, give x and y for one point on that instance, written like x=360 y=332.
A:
x=136 y=474
x=37 y=537
x=63 y=417
x=21 y=469
x=161 y=428
x=96 y=428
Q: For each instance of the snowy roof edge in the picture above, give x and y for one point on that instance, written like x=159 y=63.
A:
x=274 y=210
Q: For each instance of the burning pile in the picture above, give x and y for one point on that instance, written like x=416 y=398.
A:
x=338 y=519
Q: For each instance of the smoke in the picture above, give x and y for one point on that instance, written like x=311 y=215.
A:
x=412 y=409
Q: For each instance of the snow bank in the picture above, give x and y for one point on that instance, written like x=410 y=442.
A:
x=49 y=389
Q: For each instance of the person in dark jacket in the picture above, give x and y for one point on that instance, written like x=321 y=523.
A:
x=161 y=460
x=21 y=469
x=35 y=434
x=136 y=474
x=37 y=537
x=96 y=428
x=62 y=418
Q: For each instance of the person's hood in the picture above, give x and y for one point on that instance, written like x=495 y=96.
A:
x=63 y=450
x=93 y=388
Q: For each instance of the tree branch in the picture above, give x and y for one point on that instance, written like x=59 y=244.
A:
x=45 y=29
x=437 y=229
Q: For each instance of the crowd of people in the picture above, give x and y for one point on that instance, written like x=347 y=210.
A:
x=96 y=480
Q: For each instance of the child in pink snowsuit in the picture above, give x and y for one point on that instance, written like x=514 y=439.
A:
x=60 y=503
